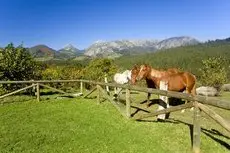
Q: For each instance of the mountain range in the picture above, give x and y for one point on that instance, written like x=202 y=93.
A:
x=43 y=51
x=112 y=49
x=123 y=47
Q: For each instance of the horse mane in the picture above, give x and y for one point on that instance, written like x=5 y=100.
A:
x=136 y=66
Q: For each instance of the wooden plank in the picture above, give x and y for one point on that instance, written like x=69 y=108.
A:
x=167 y=110
x=34 y=90
x=215 y=116
x=106 y=87
x=90 y=92
x=118 y=106
x=128 y=104
x=17 y=91
x=224 y=104
x=196 y=129
x=81 y=87
x=53 y=88
x=38 y=92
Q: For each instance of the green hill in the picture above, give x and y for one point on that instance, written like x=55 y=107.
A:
x=187 y=58
x=42 y=51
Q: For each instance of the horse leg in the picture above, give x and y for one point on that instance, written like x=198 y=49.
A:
x=148 y=100
x=115 y=93
x=193 y=92
x=186 y=91
x=191 y=109
x=118 y=92
x=115 y=90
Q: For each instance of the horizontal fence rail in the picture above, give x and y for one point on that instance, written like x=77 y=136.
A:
x=224 y=104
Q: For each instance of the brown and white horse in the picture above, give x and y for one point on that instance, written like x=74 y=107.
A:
x=149 y=81
x=179 y=81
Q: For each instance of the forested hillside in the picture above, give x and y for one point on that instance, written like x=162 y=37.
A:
x=187 y=58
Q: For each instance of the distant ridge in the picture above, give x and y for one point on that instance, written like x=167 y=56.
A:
x=42 y=51
x=117 y=48
x=122 y=47
x=69 y=51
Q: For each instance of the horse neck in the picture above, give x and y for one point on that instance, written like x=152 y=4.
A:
x=157 y=74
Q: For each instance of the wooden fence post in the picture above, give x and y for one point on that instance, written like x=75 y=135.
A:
x=34 y=89
x=196 y=129
x=107 y=87
x=98 y=94
x=163 y=100
x=128 y=105
x=81 y=87
x=38 y=92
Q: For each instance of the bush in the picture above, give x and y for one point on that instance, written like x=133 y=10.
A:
x=62 y=73
x=98 y=68
x=16 y=63
x=213 y=72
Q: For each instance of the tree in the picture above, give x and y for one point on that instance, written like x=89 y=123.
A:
x=98 y=68
x=17 y=64
x=213 y=71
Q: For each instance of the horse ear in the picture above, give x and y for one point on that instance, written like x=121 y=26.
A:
x=135 y=66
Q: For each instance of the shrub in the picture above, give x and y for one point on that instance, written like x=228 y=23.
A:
x=62 y=73
x=98 y=68
x=16 y=63
x=213 y=72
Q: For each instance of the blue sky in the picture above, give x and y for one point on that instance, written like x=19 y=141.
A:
x=82 y=22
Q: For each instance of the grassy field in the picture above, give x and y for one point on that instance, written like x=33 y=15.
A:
x=81 y=126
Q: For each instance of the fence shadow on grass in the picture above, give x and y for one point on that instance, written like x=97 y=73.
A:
x=210 y=133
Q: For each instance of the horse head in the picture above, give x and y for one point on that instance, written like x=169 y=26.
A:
x=134 y=72
x=143 y=72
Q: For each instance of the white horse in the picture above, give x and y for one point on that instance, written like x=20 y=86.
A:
x=121 y=78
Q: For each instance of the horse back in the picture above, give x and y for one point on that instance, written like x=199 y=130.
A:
x=179 y=81
x=173 y=70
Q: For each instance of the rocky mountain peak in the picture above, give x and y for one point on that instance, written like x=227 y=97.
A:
x=120 y=47
x=69 y=47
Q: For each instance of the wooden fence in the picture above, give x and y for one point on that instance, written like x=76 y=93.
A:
x=196 y=101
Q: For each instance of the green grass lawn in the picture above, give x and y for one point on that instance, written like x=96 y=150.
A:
x=81 y=126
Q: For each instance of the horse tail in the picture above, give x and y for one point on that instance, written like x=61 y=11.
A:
x=190 y=83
